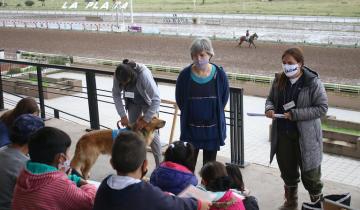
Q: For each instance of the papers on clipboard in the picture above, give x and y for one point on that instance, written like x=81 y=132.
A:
x=97 y=184
x=194 y=192
x=263 y=115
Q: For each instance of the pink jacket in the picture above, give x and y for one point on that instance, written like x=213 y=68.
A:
x=228 y=202
x=51 y=191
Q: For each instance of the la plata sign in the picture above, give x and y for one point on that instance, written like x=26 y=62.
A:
x=96 y=6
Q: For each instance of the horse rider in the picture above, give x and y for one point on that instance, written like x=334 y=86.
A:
x=247 y=36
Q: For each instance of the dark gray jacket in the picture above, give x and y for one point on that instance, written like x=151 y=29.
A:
x=312 y=104
x=147 y=88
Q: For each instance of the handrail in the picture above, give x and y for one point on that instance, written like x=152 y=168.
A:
x=54 y=66
x=54 y=109
x=236 y=102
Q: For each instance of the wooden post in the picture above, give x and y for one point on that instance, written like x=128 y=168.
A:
x=176 y=110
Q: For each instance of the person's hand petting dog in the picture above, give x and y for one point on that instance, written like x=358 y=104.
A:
x=124 y=121
x=140 y=123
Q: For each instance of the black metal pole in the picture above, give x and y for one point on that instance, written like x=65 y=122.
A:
x=92 y=100
x=1 y=93
x=232 y=127
x=237 y=127
x=56 y=114
x=40 y=91
x=241 y=127
x=1 y=90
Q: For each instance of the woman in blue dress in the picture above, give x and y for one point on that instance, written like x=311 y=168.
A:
x=202 y=91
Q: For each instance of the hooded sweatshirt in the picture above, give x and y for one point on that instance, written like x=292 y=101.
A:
x=147 y=88
x=229 y=201
x=172 y=177
x=44 y=187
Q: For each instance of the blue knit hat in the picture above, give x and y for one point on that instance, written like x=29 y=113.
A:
x=24 y=126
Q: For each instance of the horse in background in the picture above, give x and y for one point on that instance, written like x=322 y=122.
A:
x=250 y=41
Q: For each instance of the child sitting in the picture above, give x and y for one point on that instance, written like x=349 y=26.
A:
x=43 y=183
x=24 y=106
x=126 y=190
x=238 y=186
x=14 y=157
x=215 y=179
x=177 y=171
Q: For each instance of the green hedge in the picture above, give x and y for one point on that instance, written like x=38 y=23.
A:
x=58 y=60
x=29 y=3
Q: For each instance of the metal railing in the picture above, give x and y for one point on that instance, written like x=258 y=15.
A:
x=235 y=118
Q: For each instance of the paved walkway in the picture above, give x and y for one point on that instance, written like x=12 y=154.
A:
x=264 y=182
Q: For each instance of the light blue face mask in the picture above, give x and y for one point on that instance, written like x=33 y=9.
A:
x=201 y=64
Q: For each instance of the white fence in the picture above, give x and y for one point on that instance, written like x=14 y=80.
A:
x=275 y=28
x=64 y=25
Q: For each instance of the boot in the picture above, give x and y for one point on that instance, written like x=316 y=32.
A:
x=315 y=198
x=291 y=198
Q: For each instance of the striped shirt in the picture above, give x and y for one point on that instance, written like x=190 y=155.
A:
x=51 y=191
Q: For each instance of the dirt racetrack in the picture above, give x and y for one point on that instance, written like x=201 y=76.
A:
x=338 y=65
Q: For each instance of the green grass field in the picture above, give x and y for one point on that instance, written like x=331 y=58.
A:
x=340 y=130
x=350 y=8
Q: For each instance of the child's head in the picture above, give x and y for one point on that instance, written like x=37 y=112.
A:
x=49 y=146
x=23 y=127
x=182 y=153
x=24 y=106
x=129 y=154
x=214 y=177
x=236 y=177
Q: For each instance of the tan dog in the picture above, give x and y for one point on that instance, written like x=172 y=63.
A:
x=94 y=143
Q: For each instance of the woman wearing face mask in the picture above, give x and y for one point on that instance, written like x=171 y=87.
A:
x=296 y=139
x=202 y=91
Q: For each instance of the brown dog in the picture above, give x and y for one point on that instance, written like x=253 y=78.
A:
x=94 y=143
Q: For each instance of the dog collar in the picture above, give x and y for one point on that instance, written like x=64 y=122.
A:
x=116 y=132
